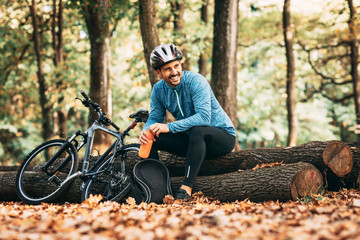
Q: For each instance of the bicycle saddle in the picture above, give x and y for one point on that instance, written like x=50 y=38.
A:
x=141 y=115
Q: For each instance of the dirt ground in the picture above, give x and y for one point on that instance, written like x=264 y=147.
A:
x=333 y=215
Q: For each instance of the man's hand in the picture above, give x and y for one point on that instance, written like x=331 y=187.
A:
x=158 y=128
x=144 y=138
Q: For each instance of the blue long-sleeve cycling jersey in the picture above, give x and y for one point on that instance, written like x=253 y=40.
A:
x=192 y=103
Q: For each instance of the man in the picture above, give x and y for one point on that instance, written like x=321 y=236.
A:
x=202 y=128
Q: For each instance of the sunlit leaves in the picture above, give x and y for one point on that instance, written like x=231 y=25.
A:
x=334 y=215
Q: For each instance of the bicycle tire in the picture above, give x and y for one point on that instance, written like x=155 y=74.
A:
x=112 y=184
x=33 y=185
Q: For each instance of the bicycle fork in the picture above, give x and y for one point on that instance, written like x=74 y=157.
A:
x=53 y=178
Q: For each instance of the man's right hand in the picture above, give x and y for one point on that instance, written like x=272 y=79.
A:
x=144 y=138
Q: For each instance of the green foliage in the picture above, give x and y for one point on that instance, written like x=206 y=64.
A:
x=262 y=114
x=262 y=81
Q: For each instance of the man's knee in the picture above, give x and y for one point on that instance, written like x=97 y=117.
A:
x=198 y=133
x=198 y=130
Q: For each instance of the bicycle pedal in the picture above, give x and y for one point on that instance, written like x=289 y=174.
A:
x=55 y=180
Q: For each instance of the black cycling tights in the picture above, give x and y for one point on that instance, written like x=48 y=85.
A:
x=201 y=142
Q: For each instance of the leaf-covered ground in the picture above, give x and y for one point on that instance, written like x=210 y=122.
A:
x=335 y=215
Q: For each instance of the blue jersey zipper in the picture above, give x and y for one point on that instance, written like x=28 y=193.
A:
x=177 y=97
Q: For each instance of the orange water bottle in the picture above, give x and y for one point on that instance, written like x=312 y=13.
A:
x=146 y=148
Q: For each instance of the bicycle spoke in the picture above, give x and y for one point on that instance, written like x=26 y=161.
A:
x=33 y=184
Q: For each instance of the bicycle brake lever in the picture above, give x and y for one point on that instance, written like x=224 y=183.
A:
x=84 y=102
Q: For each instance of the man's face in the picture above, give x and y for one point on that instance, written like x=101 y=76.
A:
x=171 y=73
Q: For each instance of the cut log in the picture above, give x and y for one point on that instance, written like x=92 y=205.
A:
x=334 y=159
x=7 y=186
x=338 y=157
x=311 y=152
x=284 y=182
x=338 y=161
x=8 y=189
x=351 y=180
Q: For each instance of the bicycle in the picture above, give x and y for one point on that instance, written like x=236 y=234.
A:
x=49 y=169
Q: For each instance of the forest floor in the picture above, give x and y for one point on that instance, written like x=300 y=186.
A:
x=333 y=215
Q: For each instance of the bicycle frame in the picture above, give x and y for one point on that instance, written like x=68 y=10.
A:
x=89 y=133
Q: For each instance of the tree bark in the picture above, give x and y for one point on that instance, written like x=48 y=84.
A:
x=339 y=162
x=354 y=55
x=312 y=152
x=150 y=39
x=60 y=117
x=290 y=76
x=45 y=109
x=284 y=182
x=330 y=158
x=178 y=9
x=149 y=34
x=8 y=189
x=204 y=18
x=224 y=64
x=97 y=22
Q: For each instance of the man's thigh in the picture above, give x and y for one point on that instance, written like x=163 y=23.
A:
x=175 y=143
x=218 y=142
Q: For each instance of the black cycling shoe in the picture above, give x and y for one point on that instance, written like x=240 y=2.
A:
x=181 y=194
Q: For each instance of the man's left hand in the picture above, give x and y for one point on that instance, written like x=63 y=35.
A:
x=158 y=128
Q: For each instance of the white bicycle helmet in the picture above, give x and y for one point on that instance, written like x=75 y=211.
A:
x=164 y=54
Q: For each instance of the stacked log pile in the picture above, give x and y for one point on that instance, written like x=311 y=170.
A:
x=279 y=173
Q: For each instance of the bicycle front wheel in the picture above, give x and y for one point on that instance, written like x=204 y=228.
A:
x=111 y=181
x=34 y=185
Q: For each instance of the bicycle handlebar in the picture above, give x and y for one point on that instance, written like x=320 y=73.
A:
x=85 y=95
x=102 y=116
x=141 y=115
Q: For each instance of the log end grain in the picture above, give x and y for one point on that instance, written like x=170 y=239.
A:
x=338 y=157
x=306 y=182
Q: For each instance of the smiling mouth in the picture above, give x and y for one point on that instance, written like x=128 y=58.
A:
x=176 y=77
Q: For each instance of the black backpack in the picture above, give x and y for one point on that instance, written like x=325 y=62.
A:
x=150 y=181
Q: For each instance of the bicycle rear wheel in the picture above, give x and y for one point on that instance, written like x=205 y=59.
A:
x=33 y=184
x=111 y=180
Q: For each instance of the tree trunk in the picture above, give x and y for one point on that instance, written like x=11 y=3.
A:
x=285 y=182
x=150 y=38
x=45 y=109
x=149 y=34
x=60 y=117
x=290 y=76
x=97 y=22
x=354 y=55
x=178 y=10
x=224 y=64
x=204 y=19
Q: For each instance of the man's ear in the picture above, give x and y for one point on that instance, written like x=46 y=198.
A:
x=158 y=72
